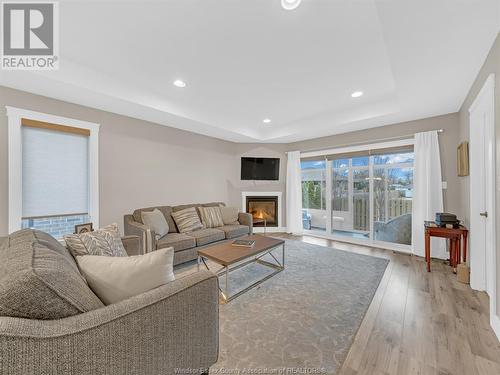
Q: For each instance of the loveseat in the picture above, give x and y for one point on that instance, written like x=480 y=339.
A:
x=52 y=323
x=185 y=245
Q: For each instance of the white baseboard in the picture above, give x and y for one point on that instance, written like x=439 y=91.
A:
x=269 y=229
x=495 y=324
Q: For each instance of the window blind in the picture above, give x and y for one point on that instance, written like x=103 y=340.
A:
x=55 y=175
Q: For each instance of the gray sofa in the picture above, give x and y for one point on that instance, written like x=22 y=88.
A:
x=52 y=323
x=185 y=244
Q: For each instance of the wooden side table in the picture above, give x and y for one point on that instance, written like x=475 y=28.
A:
x=455 y=235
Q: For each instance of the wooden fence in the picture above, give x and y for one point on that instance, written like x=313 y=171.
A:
x=396 y=207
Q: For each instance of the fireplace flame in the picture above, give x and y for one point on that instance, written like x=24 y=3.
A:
x=261 y=214
x=263 y=210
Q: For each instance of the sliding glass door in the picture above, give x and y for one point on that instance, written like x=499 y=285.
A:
x=350 y=197
x=362 y=196
x=393 y=193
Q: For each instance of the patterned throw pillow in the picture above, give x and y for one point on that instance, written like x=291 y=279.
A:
x=211 y=217
x=187 y=220
x=105 y=241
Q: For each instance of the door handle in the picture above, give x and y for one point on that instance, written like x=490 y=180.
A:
x=485 y=213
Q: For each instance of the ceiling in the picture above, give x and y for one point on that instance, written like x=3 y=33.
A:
x=244 y=61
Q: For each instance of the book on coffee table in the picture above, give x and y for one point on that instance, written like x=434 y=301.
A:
x=243 y=243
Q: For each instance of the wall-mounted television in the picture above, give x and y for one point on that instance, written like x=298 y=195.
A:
x=260 y=168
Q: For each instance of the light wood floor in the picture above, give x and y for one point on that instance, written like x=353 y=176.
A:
x=419 y=322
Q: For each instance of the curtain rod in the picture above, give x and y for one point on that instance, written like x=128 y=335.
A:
x=367 y=142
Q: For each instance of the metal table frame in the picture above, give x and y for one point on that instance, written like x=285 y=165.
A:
x=225 y=270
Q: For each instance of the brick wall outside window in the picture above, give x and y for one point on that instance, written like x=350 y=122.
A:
x=55 y=226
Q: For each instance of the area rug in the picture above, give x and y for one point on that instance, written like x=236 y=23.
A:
x=303 y=319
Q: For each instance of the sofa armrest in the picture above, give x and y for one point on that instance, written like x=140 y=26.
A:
x=171 y=327
x=147 y=237
x=245 y=218
x=132 y=245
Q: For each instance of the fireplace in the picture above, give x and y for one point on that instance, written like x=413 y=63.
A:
x=263 y=208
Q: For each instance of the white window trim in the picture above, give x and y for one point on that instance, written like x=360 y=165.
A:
x=15 y=161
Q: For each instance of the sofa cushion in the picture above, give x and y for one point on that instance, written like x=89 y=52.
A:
x=39 y=279
x=230 y=215
x=232 y=231
x=206 y=236
x=187 y=220
x=178 y=241
x=155 y=221
x=165 y=210
x=105 y=241
x=114 y=279
x=211 y=217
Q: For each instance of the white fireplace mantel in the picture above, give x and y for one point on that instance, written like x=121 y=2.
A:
x=277 y=194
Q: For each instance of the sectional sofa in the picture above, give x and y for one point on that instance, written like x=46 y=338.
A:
x=185 y=244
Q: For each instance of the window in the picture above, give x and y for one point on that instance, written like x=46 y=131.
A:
x=55 y=186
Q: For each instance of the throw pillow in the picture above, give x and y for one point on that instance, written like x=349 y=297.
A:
x=211 y=217
x=114 y=279
x=155 y=220
x=230 y=215
x=105 y=241
x=187 y=220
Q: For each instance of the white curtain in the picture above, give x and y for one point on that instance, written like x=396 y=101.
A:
x=427 y=192
x=293 y=194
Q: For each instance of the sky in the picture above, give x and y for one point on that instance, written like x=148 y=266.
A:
x=361 y=161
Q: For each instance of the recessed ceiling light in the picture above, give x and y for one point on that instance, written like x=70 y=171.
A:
x=179 y=83
x=290 y=4
x=357 y=94
x=266 y=120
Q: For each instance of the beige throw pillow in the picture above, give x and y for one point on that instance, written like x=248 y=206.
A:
x=211 y=217
x=187 y=220
x=114 y=279
x=155 y=220
x=104 y=241
x=230 y=215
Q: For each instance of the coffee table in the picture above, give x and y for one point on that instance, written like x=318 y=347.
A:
x=230 y=258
